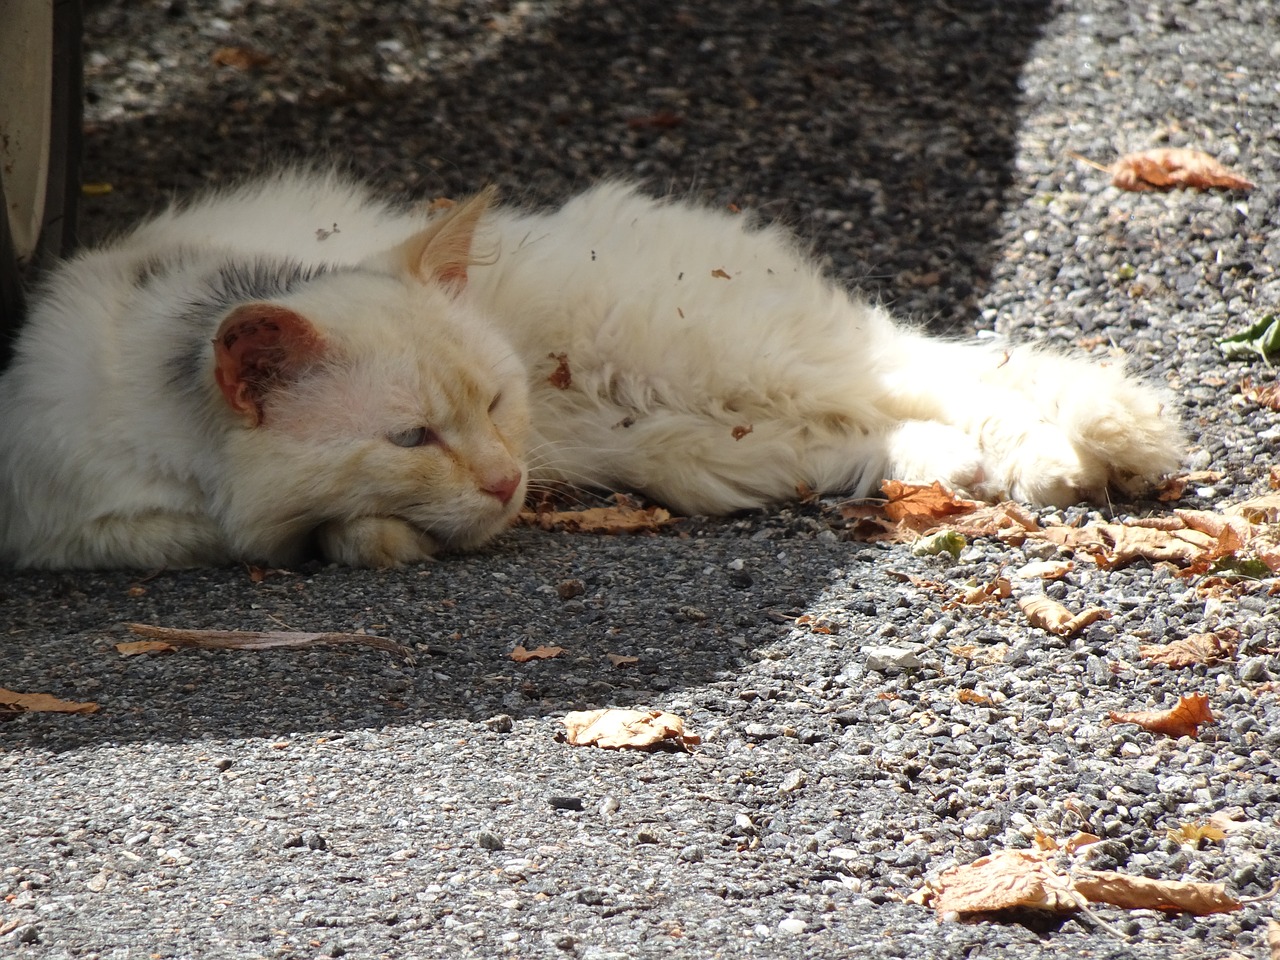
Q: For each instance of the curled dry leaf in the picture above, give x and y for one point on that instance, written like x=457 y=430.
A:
x=1265 y=509
x=916 y=501
x=1142 y=893
x=1052 y=616
x=1172 y=169
x=240 y=58
x=614 y=728
x=1190 y=834
x=1197 y=648
x=623 y=517
x=1072 y=844
x=1003 y=881
x=993 y=592
x=263 y=640
x=1027 y=879
x=1262 y=396
x=1181 y=720
x=1044 y=570
x=13 y=702
x=521 y=655
x=133 y=648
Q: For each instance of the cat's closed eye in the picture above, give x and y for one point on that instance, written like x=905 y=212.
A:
x=493 y=405
x=414 y=437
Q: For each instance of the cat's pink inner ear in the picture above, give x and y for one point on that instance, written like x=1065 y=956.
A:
x=259 y=347
x=443 y=251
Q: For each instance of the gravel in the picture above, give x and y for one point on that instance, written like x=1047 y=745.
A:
x=335 y=802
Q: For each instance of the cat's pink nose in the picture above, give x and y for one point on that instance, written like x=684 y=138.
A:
x=504 y=488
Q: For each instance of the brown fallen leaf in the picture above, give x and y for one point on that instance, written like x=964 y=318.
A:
x=560 y=377
x=13 y=702
x=1264 y=509
x=993 y=592
x=1002 y=881
x=1072 y=844
x=912 y=500
x=972 y=696
x=1273 y=939
x=1142 y=893
x=521 y=655
x=1181 y=720
x=263 y=640
x=620 y=660
x=1172 y=488
x=1172 y=169
x=613 y=728
x=240 y=58
x=1263 y=396
x=1052 y=616
x=623 y=517
x=1024 y=879
x=1197 y=648
x=1044 y=570
x=1191 y=834
x=132 y=648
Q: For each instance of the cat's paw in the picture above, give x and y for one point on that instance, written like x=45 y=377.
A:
x=921 y=451
x=375 y=542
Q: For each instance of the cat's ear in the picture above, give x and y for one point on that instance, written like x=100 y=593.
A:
x=259 y=347
x=442 y=252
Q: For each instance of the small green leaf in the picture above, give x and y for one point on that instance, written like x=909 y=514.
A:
x=944 y=541
x=1249 y=568
x=1262 y=339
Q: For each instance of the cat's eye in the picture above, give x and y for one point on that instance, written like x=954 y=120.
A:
x=494 y=403
x=414 y=437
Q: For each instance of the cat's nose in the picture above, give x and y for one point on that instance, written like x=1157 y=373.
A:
x=503 y=487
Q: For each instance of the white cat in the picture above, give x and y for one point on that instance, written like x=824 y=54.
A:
x=297 y=365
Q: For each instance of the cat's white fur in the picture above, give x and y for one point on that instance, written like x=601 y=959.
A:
x=619 y=342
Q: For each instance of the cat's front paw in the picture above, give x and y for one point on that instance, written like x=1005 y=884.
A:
x=375 y=542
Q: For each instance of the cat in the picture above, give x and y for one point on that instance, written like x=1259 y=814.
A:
x=295 y=366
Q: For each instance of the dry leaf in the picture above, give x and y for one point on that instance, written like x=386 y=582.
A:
x=624 y=517
x=619 y=660
x=1026 y=879
x=1192 y=833
x=1052 y=616
x=240 y=58
x=1265 y=509
x=1262 y=396
x=14 y=702
x=1173 y=168
x=720 y=274
x=1072 y=844
x=263 y=640
x=1182 y=720
x=1141 y=893
x=993 y=592
x=560 y=377
x=521 y=655
x=908 y=500
x=1002 y=881
x=1172 y=488
x=972 y=696
x=1273 y=939
x=613 y=728
x=1044 y=570
x=132 y=648
x=1197 y=648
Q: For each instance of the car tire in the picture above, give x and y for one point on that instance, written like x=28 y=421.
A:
x=40 y=135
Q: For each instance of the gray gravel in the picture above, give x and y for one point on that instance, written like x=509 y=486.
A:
x=335 y=802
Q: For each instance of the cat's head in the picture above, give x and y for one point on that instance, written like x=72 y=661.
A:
x=374 y=392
